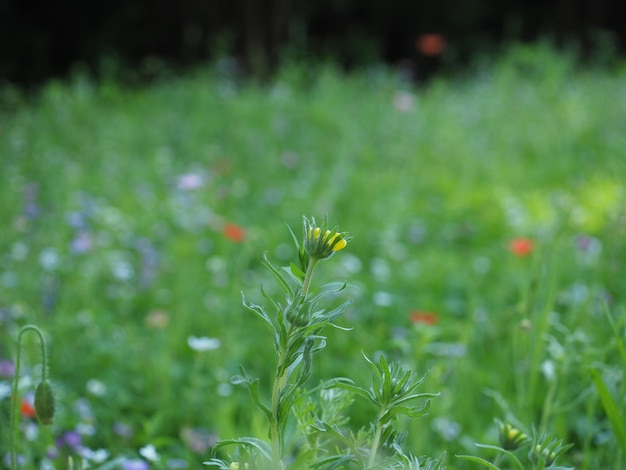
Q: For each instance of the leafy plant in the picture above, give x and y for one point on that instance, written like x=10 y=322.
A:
x=544 y=450
x=296 y=325
x=44 y=398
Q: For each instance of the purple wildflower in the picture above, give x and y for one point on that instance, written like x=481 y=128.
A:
x=7 y=368
x=135 y=464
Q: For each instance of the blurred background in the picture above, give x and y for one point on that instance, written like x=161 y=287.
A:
x=151 y=151
x=41 y=39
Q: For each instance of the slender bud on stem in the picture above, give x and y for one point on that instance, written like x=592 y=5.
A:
x=44 y=399
x=44 y=403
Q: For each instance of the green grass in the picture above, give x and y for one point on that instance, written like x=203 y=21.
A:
x=532 y=145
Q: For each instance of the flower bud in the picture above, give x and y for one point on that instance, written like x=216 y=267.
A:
x=322 y=242
x=44 y=403
x=237 y=466
x=511 y=438
x=297 y=312
x=539 y=453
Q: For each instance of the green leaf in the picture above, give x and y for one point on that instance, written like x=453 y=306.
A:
x=415 y=396
x=331 y=429
x=238 y=380
x=511 y=455
x=347 y=384
x=618 y=337
x=278 y=276
x=330 y=463
x=400 y=383
x=410 y=411
x=377 y=377
x=611 y=409
x=332 y=288
x=335 y=313
x=307 y=360
x=252 y=442
x=253 y=388
x=297 y=272
x=472 y=458
x=386 y=383
x=223 y=465
x=270 y=299
x=259 y=310
x=342 y=328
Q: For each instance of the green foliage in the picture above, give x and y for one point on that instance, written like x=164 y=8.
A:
x=296 y=325
x=134 y=218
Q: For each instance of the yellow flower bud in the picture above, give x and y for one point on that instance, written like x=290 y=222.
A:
x=319 y=246
x=340 y=245
x=511 y=438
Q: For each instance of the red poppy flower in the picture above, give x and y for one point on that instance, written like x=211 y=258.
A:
x=234 y=233
x=430 y=45
x=521 y=246
x=426 y=318
x=27 y=409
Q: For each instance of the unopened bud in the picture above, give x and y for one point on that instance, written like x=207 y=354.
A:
x=297 y=312
x=44 y=403
x=539 y=452
x=238 y=466
x=511 y=438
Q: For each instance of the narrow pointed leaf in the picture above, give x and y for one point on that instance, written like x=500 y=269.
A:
x=611 y=409
x=473 y=458
x=511 y=455
x=253 y=388
x=278 y=276
x=618 y=337
x=297 y=272
x=259 y=310
x=262 y=446
x=331 y=463
x=347 y=384
x=414 y=397
x=269 y=298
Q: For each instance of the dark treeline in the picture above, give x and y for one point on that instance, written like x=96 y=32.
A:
x=40 y=39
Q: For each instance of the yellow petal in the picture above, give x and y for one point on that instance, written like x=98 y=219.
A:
x=340 y=245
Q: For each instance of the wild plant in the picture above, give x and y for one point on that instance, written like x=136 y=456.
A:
x=44 y=398
x=516 y=449
x=319 y=437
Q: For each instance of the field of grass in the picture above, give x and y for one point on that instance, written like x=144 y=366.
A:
x=488 y=220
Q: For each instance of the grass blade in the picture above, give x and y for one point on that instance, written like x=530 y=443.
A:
x=611 y=409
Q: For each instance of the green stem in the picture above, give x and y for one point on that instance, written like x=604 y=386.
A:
x=14 y=396
x=547 y=405
x=376 y=440
x=308 y=276
x=275 y=427
x=280 y=381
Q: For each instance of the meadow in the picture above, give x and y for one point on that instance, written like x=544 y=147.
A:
x=488 y=219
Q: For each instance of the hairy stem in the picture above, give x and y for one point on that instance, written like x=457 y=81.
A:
x=376 y=440
x=547 y=405
x=275 y=425
x=14 y=396
x=280 y=382
x=306 y=284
